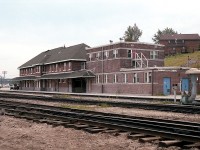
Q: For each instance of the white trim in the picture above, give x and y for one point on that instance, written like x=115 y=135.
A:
x=125 y=43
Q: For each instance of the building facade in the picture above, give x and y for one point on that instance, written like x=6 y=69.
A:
x=62 y=69
x=180 y=43
x=115 y=68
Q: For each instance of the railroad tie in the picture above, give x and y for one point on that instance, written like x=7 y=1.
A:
x=168 y=143
x=136 y=136
x=149 y=139
x=197 y=145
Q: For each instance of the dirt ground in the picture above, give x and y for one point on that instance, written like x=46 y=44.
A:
x=21 y=134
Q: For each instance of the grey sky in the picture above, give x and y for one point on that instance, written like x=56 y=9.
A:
x=28 y=27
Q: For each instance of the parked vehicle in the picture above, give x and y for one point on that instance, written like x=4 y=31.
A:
x=14 y=87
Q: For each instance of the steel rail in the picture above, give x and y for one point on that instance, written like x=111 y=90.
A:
x=179 y=131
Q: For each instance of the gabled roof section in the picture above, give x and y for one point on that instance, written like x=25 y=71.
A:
x=75 y=52
x=180 y=37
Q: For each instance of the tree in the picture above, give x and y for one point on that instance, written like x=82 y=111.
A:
x=132 y=34
x=159 y=33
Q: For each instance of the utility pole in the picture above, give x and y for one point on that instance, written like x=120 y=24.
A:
x=4 y=76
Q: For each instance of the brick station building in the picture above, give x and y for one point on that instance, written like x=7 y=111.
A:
x=180 y=43
x=116 y=68
x=61 y=69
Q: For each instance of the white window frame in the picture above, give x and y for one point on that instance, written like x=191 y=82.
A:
x=148 y=77
x=83 y=66
x=106 y=78
x=90 y=57
x=98 y=55
x=154 y=54
x=125 y=78
x=97 y=79
x=106 y=54
x=128 y=53
x=65 y=65
x=115 y=78
x=69 y=65
x=135 y=78
x=56 y=68
x=115 y=52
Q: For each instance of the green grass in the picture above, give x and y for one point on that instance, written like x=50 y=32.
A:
x=182 y=59
x=81 y=107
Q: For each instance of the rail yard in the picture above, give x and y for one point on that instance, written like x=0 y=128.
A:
x=136 y=126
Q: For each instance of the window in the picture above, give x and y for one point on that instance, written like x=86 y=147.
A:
x=56 y=67
x=153 y=54
x=125 y=78
x=82 y=65
x=49 y=68
x=31 y=70
x=105 y=78
x=90 y=57
x=129 y=53
x=65 y=65
x=115 y=52
x=98 y=55
x=135 y=78
x=147 y=77
x=115 y=79
x=69 y=66
x=97 y=79
x=106 y=54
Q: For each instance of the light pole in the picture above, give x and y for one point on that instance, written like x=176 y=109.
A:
x=4 y=76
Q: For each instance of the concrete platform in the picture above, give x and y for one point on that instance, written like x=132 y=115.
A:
x=117 y=96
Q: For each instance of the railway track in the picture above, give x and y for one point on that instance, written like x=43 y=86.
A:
x=191 y=109
x=167 y=132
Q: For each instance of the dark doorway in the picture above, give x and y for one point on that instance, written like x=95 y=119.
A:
x=78 y=85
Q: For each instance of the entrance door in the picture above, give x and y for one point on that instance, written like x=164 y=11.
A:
x=185 y=84
x=78 y=85
x=166 y=86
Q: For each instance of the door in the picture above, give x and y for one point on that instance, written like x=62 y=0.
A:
x=185 y=84
x=166 y=86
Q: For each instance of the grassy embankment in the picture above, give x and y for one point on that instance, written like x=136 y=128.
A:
x=182 y=60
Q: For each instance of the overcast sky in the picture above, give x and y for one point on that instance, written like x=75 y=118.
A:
x=28 y=27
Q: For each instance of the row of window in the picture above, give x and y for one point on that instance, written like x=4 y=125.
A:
x=115 y=78
x=50 y=68
x=130 y=54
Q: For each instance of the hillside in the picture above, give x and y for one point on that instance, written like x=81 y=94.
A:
x=182 y=60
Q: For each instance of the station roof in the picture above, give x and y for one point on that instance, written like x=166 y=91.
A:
x=60 y=54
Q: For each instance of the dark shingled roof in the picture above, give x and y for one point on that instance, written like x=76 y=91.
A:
x=180 y=37
x=59 y=54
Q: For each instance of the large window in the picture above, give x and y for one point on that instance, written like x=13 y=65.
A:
x=148 y=77
x=135 y=78
x=153 y=54
x=82 y=65
x=129 y=53
x=90 y=57
x=115 y=79
x=106 y=54
x=97 y=78
x=125 y=78
x=115 y=52
x=105 y=78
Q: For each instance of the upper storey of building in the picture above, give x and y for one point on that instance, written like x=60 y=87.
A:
x=124 y=55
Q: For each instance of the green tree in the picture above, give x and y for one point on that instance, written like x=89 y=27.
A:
x=159 y=33
x=132 y=34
